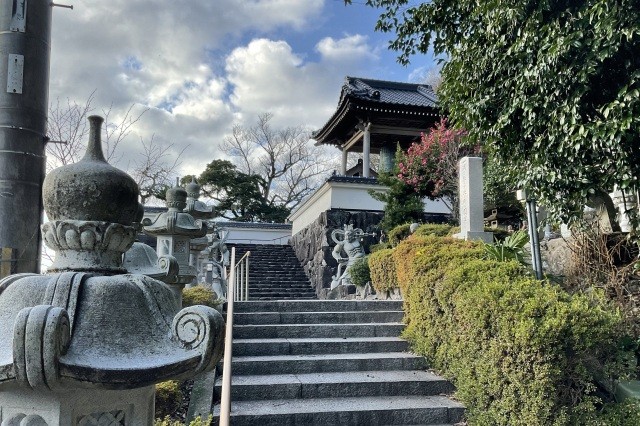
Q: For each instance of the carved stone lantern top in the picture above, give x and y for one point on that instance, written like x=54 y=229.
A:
x=195 y=207
x=175 y=221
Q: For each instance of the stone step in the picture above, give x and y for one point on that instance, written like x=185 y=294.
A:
x=345 y=384
x=324 y=363
x=406 y=410
x=319 y=305
x=328 y=345
x=268 y=331
x=352 y=317
x=257 y=295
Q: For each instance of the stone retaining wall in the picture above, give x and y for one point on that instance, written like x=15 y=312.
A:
x=313 y=245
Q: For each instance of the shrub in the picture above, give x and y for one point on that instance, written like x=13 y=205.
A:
x=200 y=295
x=511 y=248
x=399 y=233
x=439 y=230
x=359 y=272
x=168 y=398
x=195 y=422
x=383 y=271
x=520 y=351
x=377 y=247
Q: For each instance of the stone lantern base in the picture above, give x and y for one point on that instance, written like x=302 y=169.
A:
x=86 y=407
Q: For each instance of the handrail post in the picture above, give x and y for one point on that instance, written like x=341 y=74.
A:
x=246 y=281
x=225 y=400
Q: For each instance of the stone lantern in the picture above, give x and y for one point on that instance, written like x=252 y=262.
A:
x=198 y=210
x=174 y=230
x=85 y=344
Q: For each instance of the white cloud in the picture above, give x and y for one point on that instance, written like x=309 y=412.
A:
x=267 y=75
x=182 y=59
x=348 y=49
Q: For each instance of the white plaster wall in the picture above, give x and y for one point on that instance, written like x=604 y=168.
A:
x=257 y=236
x=311 y=208
x=355 y=197
x=436 y=206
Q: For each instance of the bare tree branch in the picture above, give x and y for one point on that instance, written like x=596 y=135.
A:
x=289 y=164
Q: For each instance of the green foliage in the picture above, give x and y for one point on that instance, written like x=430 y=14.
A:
x=537 y=84
x=624 y=414
x=399 y=233
x=439 y=230
x=520 y=351
x=359 y=272
x=168 y=398
x=377 y=247
x=196 y=422
x=200 y=295
x=511 y=248
x=383 y=271
x=238 y=195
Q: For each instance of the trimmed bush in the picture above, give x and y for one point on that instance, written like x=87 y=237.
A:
x=439 y=230
x=200 y=295
x=399 y=233
x=383 y=270
x=520 y=351
x=168 y=398
x=359 y=272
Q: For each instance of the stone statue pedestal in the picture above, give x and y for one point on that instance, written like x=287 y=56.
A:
x=81 y=407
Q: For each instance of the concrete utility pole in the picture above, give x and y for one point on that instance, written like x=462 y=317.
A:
x=25 y=45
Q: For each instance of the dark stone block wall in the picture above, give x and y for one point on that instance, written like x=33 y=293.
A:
x=313 y=245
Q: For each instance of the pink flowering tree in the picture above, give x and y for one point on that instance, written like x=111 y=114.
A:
x=431 y=166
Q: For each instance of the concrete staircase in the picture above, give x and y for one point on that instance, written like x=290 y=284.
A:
x=331 y=363
x=275 y=273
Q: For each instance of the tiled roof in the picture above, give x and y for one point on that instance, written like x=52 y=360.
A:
x=353 y=179
x=389 y=92
x=252 y=225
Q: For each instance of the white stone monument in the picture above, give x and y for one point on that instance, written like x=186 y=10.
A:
x=85 y=344
x=471 y=200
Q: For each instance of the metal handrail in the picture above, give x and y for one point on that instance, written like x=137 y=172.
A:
x=241 y=279
x=225 y=399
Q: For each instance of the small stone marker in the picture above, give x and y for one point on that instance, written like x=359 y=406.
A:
x=471 y=201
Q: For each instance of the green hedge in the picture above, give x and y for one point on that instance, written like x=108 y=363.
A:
x=519 y=351
x=399 y=233
x=383 y=270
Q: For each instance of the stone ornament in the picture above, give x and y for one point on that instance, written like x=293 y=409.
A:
x=142 y=259
x=174 y=229
x=85 y=343
x=348 y=241
x=195 y=207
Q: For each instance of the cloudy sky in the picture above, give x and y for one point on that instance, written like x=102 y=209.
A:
x=201 y=66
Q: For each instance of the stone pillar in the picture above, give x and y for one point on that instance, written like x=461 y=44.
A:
x=343 y=165
x=472 y=200
x=366 y=150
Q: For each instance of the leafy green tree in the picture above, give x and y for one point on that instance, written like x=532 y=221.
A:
x=238 y=195
x=550 y=88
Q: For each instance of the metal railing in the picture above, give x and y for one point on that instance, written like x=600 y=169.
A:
x=239 y=280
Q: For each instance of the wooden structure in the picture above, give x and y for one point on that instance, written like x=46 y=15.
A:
x=373 y=116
